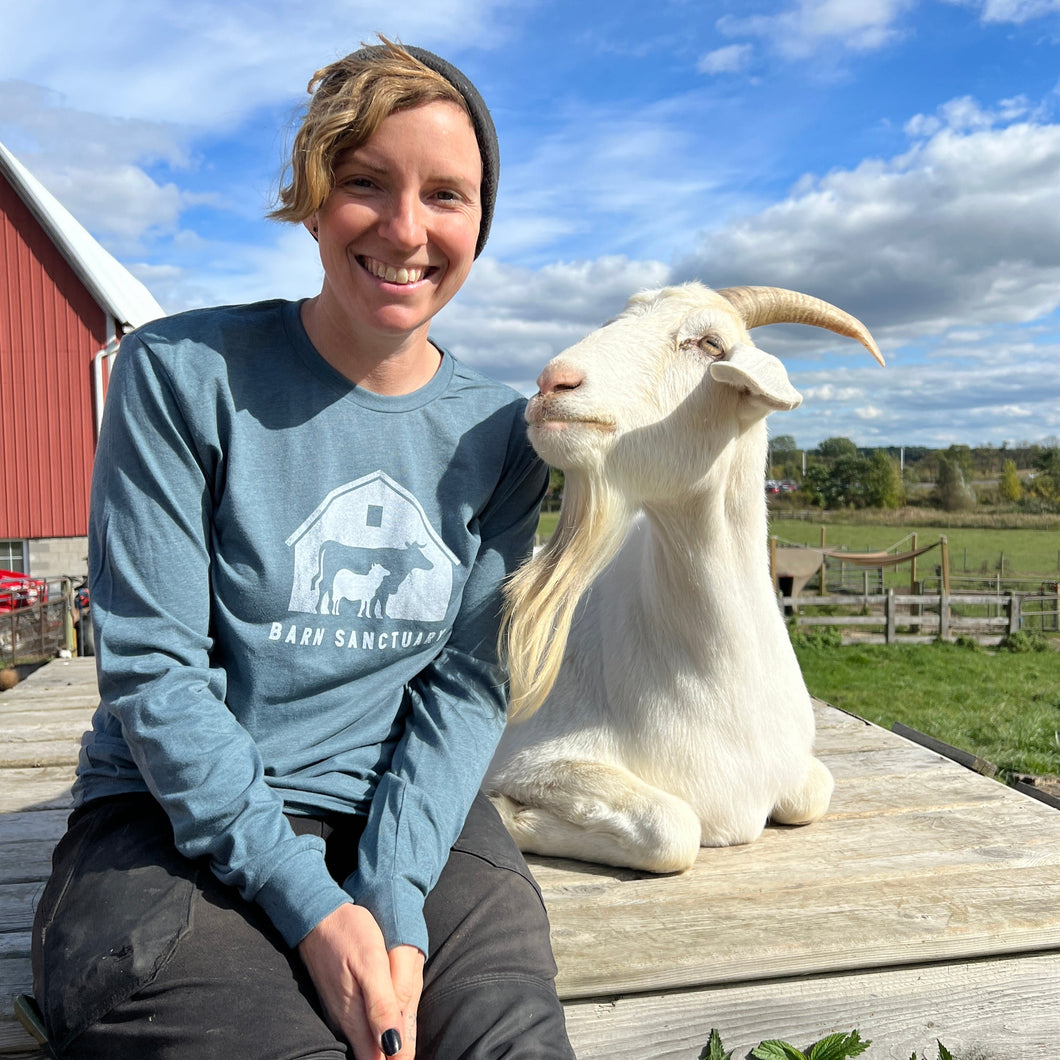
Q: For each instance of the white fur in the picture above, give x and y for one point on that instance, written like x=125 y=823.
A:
x=679 y=717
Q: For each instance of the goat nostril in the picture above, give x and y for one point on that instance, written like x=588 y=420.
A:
x=559 y=377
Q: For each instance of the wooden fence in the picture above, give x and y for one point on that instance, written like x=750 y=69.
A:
x=894 y=618
x=40 y=631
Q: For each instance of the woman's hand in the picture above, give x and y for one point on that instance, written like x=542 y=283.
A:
x=365 y=991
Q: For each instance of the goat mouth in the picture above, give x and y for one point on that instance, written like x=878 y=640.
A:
x=554 y=422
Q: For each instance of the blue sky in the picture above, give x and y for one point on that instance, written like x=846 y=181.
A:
x=900 y=158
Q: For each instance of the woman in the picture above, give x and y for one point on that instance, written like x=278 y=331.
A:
x=301 y=517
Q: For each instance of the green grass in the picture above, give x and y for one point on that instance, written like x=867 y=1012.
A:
x=972 y=550
x=1001 y=706
x=546 y=525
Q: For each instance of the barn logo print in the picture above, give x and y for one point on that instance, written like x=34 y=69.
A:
x=368 y=553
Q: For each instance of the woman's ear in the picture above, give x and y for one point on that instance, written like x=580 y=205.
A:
x=311 y=225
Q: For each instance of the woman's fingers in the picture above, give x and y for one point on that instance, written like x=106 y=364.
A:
x=406 y=973
x=347 y=960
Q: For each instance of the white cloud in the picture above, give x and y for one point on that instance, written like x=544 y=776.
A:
x=610 y=180
x=208 y=65
x=728 y=60
x=1011 y=10
x=961 y=230
x=509 y=321
x=809 y=25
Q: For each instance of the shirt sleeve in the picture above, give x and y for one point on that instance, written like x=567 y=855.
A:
x=456 y=713
x=150 y=532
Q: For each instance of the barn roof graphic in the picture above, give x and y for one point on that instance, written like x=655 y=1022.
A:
x=387 y=483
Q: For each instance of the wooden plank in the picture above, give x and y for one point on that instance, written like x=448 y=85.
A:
x=1004 y=1009
x=26 y=842
x=655 y=944
x=40 y=753
x=953 y=882
x=918 y=860
x=40 y=788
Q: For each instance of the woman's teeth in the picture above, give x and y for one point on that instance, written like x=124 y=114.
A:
x=382 y=271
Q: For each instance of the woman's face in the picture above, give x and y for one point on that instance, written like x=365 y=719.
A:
x=397 y=234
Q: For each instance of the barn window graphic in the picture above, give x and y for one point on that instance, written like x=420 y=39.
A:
x=370 y=552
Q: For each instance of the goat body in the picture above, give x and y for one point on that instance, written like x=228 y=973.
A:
x=678 y=716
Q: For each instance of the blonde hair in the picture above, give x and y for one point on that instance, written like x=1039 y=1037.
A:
x=540 y=598
x=351 y=99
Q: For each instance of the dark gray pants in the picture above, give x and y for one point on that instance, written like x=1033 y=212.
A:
x=140 y=953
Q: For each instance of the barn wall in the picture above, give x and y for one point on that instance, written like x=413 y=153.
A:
x=50 y=328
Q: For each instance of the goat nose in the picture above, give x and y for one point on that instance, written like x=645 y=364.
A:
x=560 y=377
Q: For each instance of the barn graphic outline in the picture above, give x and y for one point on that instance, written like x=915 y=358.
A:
x=368 y=551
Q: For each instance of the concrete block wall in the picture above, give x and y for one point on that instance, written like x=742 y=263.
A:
x=52 y=557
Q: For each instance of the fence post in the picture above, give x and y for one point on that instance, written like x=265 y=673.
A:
x=824 y=563
x=912 y=570
x=889 y=636
x=944 y=612
x=1013 y=613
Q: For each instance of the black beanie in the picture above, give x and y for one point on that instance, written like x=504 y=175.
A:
x=481 y=122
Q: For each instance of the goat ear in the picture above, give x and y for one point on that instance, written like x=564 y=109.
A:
x=759 y=374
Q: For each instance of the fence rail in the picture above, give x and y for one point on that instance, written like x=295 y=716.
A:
x=894 y=618
x=40 y=631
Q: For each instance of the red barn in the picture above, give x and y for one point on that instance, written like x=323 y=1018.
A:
x=64 y=305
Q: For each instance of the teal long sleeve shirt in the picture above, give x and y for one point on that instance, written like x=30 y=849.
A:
x=296 y=586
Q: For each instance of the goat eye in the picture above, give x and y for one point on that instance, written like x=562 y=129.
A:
x=710 y=344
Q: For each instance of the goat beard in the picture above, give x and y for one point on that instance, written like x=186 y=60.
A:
x=541 y=597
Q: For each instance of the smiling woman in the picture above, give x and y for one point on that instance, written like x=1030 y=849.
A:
x=397 y=235
x=279 y=847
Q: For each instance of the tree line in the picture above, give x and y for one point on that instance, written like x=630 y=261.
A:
x=840 y=474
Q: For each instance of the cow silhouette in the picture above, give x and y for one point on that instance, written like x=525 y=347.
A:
x=358 y=560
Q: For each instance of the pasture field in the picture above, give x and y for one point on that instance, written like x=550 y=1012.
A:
x=973 y=551
x=1002 y=706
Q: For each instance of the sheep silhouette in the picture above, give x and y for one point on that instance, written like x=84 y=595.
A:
x=335 y=558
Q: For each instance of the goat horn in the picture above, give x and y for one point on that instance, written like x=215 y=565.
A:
x=776 y=305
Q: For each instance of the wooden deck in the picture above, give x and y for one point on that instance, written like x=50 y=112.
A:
x=925 y=906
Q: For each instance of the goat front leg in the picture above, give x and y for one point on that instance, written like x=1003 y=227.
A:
x=598 y=812
x=809 y=800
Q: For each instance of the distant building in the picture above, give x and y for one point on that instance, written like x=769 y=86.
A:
x=64 y=305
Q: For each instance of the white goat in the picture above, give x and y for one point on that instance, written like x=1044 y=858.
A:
x=679 y=716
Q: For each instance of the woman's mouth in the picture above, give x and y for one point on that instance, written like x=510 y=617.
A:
x=402 y=276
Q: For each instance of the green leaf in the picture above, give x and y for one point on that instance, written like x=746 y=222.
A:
x=839 y=1047
x=777 y=1050
x=713 y=1049
x=944 y=1053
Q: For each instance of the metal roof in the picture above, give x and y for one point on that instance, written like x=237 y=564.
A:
x=112 y=285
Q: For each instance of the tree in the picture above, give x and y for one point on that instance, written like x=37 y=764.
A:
x=844 y=484
x=952 y=492
x=1011 y=487
x=833 y=448
x=883 y=482
x=1046 y=482
x=961 y=455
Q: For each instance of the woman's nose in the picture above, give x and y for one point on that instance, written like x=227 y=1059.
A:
x=404 y=221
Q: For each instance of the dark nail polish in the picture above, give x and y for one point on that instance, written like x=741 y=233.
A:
x=391 y=1042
